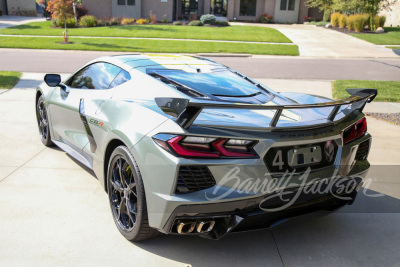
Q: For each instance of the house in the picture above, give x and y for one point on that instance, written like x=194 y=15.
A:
x=391 y=10
x=283 y=11
x=18 y=7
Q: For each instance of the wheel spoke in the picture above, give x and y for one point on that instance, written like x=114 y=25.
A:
x=121 y=204
x=116 y=186
x=131 y=186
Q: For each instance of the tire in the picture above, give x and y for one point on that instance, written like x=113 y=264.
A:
x=43 y=122
x=127 y=197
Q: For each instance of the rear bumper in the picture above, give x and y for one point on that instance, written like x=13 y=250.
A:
x=266 y=211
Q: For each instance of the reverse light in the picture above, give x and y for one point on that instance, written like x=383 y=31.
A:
x=206 y=147
x=355 y=131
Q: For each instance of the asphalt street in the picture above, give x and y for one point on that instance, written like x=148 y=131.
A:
x=55 y=61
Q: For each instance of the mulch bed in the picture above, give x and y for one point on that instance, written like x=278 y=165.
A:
x=393 y=118
x=347 y=31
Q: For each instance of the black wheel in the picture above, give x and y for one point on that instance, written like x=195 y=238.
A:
x=127 y=197
x=43 y=122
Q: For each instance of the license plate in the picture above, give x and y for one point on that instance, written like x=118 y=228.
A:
x=300 y=158
x=304 y=156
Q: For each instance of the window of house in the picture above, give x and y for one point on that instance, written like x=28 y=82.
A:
x=131 y=2
x=121 y=2
x=291 y=4
x=248 y=7
x=288 y=4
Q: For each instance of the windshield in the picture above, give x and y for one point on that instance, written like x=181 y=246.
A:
x=219 y=83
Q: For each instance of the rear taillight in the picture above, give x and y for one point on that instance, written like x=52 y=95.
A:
x=355 y=131
x=206 y=147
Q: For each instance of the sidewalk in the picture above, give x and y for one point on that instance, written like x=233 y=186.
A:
x=11 y=21
x=324 y=43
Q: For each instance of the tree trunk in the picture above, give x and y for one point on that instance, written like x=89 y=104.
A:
x=74 y=8
x=65 y=32
x=327 y=14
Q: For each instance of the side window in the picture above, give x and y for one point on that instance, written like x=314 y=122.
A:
x=96 y=76
x=121 y=78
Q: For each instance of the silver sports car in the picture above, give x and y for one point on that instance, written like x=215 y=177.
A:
x=185 y=145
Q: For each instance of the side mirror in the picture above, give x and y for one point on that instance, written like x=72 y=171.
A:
x=52 y=80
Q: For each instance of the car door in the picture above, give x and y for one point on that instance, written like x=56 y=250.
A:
x=90 y=83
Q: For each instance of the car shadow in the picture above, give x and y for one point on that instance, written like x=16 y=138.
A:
x=88 y=170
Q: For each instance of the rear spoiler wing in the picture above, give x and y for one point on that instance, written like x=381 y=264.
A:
x=186 y=112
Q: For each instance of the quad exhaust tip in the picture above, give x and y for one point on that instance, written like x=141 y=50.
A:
x=205 y=227
x=188 y=227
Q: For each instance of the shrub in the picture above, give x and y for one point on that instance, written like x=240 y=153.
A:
x=80 y=11
x=177 y=23
x=264 y=18
x=335 y=19
x=126 y=21
x=367 y=22
x=222 y=23
x=342 y=21
x=164 y=18
x=379 y=21
x=195 y=23
x=115 y=21
x=88 y=21
x=356 y=22
x=307 y=18
x=350 y=22
x=142 y=21
x=207 y=19
x=71 y=23
x=103 y=22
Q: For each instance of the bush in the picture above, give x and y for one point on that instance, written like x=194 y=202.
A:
x=71 y=23
x=264 y=18
x=356 y=22
x=379 y=21
x=195 y=23
x=207 y=19
x=335 y=19
x=103 y=22
x=126 y=21
x=164 y=18
x=342 y=21
x=80 y=11
x=88 y=21
x=142 y=21
x=115 y=21
x=177 y=23
x=222 y=23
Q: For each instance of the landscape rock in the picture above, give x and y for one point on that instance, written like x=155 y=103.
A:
x=328 y=25
x=380 y=30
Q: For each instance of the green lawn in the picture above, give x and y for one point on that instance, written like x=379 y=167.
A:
x=393 y=47
x=232 y=33
x=8 y=79
x=143 y=45
x=387 y=91
x=392 y=37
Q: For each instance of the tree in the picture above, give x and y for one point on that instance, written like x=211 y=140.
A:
x=61 y=10
x=322 y=5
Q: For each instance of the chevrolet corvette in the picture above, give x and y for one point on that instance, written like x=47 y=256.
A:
x=185 y=145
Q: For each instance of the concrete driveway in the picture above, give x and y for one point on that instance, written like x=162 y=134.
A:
x=54 y=212
x=320 y=42
x=11 y=21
